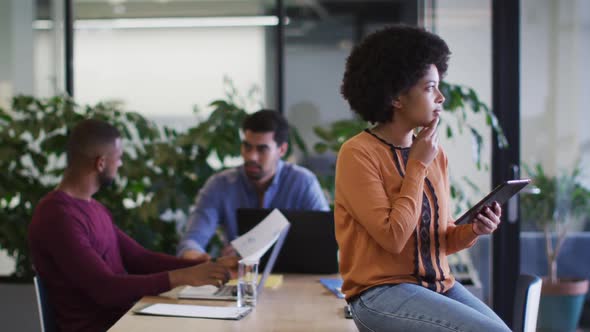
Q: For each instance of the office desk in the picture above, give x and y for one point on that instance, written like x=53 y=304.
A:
x=301 y=303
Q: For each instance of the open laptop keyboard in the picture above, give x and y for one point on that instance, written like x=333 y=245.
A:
x=227 y=291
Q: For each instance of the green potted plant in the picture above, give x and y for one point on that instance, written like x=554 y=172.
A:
x=33 y=133
x=32 y=158
x=561 y=202
x=163 y=169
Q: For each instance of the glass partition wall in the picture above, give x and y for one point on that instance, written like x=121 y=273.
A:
x=318 y=38
x=163 y=58
x=555 y=46
x=466 y=26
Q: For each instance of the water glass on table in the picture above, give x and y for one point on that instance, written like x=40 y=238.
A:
x=247 y=282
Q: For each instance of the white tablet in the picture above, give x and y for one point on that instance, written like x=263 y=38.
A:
x=500 y=194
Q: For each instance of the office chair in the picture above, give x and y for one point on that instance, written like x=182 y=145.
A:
x=526 y=303
x=46 y=314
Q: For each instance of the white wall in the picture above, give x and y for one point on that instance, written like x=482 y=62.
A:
x=7 y=264
x=5 y=52
x=16 y=64
x=16 y=48
x=45 y=64
x=23 y=46
x=312 y=88
x=165 y=72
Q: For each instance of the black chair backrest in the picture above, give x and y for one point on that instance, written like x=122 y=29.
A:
x=46 y=313
x=526 y=303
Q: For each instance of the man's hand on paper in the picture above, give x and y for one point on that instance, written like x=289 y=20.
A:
x=215 y=274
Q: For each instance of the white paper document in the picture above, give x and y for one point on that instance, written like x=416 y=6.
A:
x=197 y=291
x=253 y=244
x=196 y=311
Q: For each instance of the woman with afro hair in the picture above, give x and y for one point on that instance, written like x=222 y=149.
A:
x=393 y=223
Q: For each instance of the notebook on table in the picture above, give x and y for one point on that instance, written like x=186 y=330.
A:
x=194 y=311
x=334 y=285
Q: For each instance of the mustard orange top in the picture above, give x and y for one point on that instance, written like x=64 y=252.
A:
x=392 y=217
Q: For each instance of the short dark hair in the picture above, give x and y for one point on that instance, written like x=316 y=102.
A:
x=265 y=121
x=87 y=136
x=386 y=64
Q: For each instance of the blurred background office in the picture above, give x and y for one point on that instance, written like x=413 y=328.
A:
x=163 y=58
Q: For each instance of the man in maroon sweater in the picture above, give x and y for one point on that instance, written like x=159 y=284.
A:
x=93 y=271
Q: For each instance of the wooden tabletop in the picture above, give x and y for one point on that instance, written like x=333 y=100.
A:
x=301 y=303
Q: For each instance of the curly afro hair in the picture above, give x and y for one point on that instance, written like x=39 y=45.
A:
x=386 y=64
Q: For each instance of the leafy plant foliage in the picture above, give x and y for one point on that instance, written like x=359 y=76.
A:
x=560 y=202
x=33 y=134
x=163 y=168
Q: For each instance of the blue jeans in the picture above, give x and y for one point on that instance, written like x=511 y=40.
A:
x=409 y=307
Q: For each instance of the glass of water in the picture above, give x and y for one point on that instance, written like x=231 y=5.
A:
x=247 y=282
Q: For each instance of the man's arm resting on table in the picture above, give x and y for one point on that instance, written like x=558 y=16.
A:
x=139 y=260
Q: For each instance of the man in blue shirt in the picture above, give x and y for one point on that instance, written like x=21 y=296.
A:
x=263 y=181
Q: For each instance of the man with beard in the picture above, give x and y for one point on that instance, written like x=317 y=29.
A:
x=93 y=272
x=263 y=181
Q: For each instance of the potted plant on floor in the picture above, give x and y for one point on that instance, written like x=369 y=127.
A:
x=561 y=202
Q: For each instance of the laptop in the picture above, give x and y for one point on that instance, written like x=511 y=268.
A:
x=230 y=292
x=310 y=246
